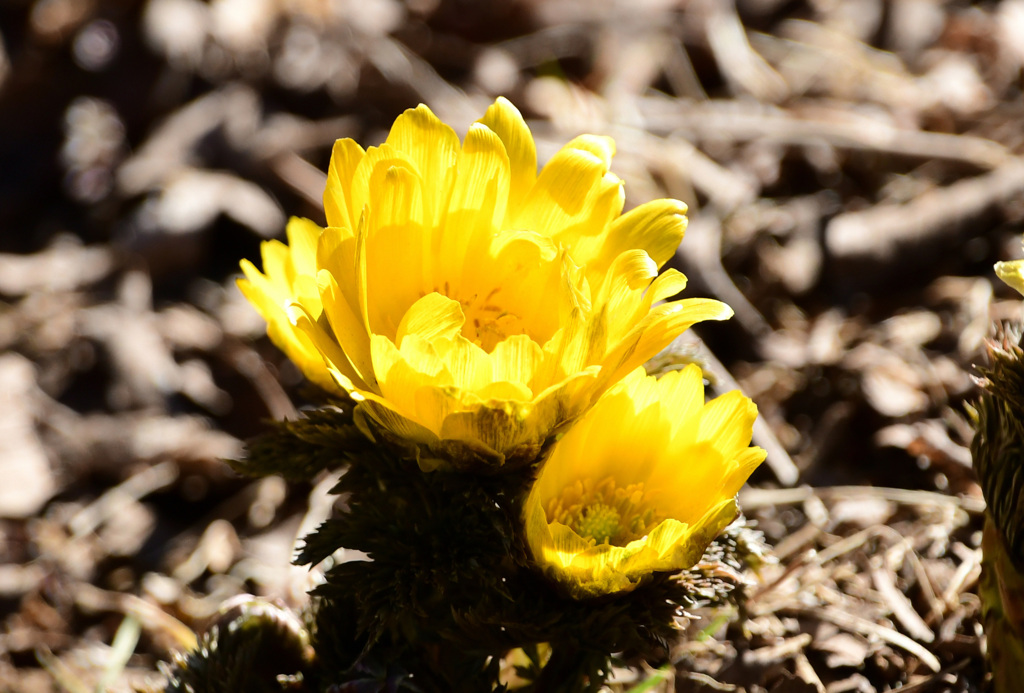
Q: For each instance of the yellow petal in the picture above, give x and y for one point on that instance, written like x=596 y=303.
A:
x=399 y=427
x=423 y=357
x=505 y=120
x=373 y=166
x=277 y=263
x=493 y=394
x=668 y=284
x=257 y=290
x=337 y=195
x=432 y=148
x=395 y=226
x=289 y=339
x=529 y=277
x=336 y=254
x=656 y=227
x=304 y=291
x=630 y=274
x=744 y=465
x=433 y=405
x=680 y=393
x=630 y=441
x=634 y=268
x=654 y=332
x=478 y=202
x=680 y=545
x=396 y=202
x=334 y=358
x=302 y=241
x=347 y=327
x=261 y=287
x=601 y=147
x=432 y=317
x=566 y=546
x=516 y=359
x=362 y=301
x=568 y=349
x=469 y=365
x=494 y=427
x=1012 y=273
x=402 y=373
x=727 y=421
x=574 y=199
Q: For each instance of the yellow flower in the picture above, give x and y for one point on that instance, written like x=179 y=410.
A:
x=1012 y=273
x=642 y=483
x=472 y=305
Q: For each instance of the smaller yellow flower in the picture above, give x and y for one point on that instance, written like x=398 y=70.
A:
x=641 y=484
x=1012 y=273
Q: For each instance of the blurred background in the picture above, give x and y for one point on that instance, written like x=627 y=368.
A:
x=852 y=171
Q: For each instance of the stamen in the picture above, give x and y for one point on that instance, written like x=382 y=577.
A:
x=598 y=522
x=604 y=513
x=487 y=323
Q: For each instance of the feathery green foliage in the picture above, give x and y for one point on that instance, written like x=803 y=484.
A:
x=299 y=449
x=448 y=587
x=998 y=451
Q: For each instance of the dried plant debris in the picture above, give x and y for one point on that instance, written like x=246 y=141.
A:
x=853 y=170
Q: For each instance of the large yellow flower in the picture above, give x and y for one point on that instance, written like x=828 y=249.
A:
x=640 y=484
x=472 y=305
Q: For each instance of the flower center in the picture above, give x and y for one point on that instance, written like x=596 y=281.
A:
x=487 y=322
x=603 y=512
x=598 y=522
